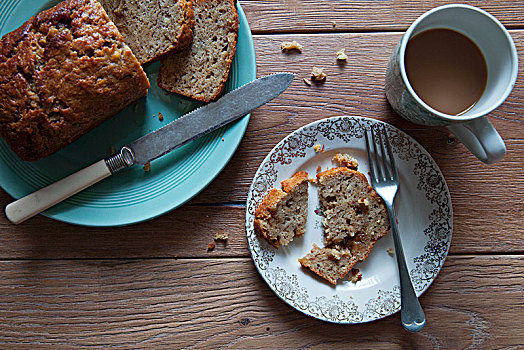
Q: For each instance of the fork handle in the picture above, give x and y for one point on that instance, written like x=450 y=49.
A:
x=411 y=313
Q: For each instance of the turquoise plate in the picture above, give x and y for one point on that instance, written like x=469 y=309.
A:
x=132 y=195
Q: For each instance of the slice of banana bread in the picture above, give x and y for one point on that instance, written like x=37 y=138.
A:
x=155 y=28
x=202 y=71
x=282 y=214
x=62 y=73
x=350 y=206
x=354 y=217
x=329 y=263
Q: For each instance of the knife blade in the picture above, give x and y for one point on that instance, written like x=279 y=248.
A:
x=187 y=128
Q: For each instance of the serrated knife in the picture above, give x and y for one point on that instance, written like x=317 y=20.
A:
x=187 y=128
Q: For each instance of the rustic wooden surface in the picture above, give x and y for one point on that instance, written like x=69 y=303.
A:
x=155 y=284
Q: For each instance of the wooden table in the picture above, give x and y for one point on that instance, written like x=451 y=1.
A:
x=155 y=284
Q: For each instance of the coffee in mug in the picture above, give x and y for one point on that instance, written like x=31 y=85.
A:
x=454 y=65
x=446 y=69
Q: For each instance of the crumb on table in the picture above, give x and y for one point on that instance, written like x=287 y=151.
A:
x=317 y=74
x=210 y=246
x=341 y=56
x=221 y=236
x=291 y=45
x=307 y=82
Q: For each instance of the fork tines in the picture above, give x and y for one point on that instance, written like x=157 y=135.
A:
x=382 y=165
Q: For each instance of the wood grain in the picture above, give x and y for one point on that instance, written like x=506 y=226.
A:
x=476 y=302
x=186 y=232
x=277 y=16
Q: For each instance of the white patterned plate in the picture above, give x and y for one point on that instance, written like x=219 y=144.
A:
x=423 y=207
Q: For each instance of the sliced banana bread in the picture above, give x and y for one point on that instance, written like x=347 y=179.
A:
x=329 y=263
x=349 y=206
x=354 y=217
x=282 y=214
x=202 y=71
x=153 y=29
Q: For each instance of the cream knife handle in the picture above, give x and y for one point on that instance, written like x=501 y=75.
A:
x=45 y=198
x=36 y=202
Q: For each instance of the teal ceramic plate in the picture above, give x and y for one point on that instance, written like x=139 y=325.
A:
x=132 y=195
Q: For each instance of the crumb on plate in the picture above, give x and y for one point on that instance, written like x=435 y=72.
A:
x=391 y=251
x=147 y=167
x=356 y=275
x=346 y=160
x=160 y=116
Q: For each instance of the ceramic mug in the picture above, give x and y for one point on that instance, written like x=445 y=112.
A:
x=495 y=43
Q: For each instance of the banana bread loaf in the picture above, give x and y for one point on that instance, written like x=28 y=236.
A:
x=153 y=29
x=62 y=73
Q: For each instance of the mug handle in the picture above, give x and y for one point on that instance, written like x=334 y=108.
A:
x=481 y=138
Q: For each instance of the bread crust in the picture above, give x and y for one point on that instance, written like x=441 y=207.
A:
x=62 y=73
x=269 y=204
x=268 y=207
x=289 y=185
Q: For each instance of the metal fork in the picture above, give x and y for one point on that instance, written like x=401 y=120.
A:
x=384 y=177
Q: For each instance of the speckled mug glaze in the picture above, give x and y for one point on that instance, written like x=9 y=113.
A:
x=472 y=128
